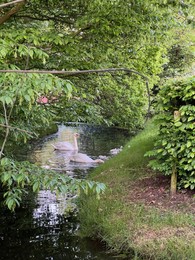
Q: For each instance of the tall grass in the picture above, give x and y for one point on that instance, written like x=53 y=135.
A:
x=127 y=226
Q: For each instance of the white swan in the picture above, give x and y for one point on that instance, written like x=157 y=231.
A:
x=67 y=146
x=116 y=150
x=83 y=158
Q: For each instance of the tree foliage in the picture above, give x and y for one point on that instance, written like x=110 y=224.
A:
x=18 y=177
x=175 y=147
x=74 y=35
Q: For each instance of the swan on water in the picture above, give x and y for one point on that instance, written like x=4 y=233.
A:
x=67 y=146
x=116 y=150
x=83 y=158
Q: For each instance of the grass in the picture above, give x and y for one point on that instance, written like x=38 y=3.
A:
x=128 y=226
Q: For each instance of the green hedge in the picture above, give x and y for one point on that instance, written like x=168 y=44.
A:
x=175 y=147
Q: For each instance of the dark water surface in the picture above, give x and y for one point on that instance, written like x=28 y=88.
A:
x=39 y=229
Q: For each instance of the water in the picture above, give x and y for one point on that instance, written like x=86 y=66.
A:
x=39 y=230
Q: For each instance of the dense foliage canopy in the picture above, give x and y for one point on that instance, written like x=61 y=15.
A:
x=82 y=35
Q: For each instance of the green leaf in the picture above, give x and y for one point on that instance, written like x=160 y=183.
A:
x=36 y=186
x=11 y=204
x=27 y=98
x=5 y=161
x=177 y=124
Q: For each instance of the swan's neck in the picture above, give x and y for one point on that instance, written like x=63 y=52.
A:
x=75 y=143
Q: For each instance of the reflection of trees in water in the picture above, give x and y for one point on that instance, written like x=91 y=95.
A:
x=39 y=239
x=99 y=140
x=48 y=203
x=43 y=234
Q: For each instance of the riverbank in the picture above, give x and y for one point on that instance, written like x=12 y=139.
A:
x=136 y=216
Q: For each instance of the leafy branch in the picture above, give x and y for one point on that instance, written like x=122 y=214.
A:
x=80 y=72
x=18 y=129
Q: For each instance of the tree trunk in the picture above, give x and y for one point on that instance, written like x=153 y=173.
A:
x=177 y=115
x=174 y=180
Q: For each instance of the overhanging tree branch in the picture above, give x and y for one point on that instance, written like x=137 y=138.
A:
x=80 y=72
x=11 y=3
x=74 y=73
x=18 y=129
x=13 y=11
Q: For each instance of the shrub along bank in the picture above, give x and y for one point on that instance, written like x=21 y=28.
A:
x=174 y=150
x=136 y=216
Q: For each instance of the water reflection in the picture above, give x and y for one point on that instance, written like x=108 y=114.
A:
x=48 y=204
x=39 y=230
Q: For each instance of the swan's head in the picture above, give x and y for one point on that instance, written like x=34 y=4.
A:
x=76 y=135
x=99 y=161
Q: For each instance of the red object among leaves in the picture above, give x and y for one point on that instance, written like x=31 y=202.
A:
x=43 y=100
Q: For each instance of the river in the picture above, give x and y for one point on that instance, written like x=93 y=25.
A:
x=39 y=229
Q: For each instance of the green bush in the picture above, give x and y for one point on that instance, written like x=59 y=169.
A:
x=175 y=147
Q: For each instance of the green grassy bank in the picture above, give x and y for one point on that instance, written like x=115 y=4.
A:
x=129 y=226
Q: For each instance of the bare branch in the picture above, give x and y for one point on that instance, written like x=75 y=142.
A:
x=18 y=129
x=74 y=73
x=11 y=3
x=6 y=132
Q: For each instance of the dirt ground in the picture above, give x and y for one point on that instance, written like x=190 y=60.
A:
x=155 y=191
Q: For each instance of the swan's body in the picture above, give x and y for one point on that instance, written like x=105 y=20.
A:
x=67 y=146
x=83 y=158
x=116 y=150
